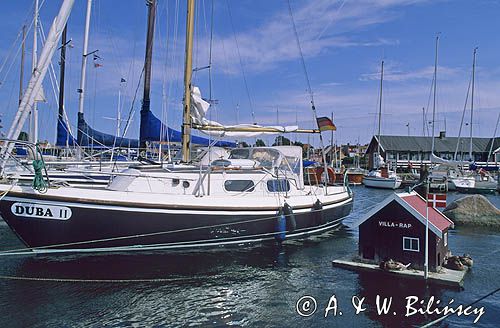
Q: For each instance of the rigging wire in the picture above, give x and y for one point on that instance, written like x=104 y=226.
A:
x=313 y=107
x=334 y=17
x=164 y=98
x=20 y=45
x=463 y=117
x=241 y=63
x=130 y=115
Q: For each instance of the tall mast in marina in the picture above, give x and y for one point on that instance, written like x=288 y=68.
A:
x=434 y=96
x=21 y=72
x=34 y=58
x=380 y=108
x=472 y=101
x=426 y=251
x=188 y=69
x=83 y=76
x=35 y=84
x=146 y=101
x=62 y=69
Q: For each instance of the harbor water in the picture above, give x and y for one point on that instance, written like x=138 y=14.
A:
x=245 y=286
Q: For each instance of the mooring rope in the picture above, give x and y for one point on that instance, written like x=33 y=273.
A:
x=77 y=280
x=6 y=192
x=39 y=183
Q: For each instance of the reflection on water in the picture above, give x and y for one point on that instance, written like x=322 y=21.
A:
x=255 y=287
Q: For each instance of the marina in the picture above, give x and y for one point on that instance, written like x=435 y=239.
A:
x=257 y=286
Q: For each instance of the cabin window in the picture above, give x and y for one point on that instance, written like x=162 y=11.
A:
x=239 y=185
x=278 y=185
x=411 y=244
x=445 y=238
x=239 y=153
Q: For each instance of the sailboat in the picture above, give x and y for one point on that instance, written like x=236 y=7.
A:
x=246 y=196
x=479 y=181
x=381 y=176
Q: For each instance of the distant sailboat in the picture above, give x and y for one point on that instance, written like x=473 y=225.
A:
x=479 y=181
x=381 y=176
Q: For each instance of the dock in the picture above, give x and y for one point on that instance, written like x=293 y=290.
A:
x=447 y=277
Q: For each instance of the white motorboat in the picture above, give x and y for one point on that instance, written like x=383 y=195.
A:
x=379 y=179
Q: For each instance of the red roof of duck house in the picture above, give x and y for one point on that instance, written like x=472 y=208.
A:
x=417 y=206
x=438 y=219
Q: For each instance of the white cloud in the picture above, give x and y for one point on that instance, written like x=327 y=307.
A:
x=322 y=25
x=395 y=72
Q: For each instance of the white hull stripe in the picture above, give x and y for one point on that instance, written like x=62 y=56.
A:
x=166 y=211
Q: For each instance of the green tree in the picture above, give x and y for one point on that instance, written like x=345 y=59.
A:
x=23 y=136
x=260 y=143
x=281 y=141
x=244 y=144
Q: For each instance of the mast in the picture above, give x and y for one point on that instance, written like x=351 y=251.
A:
x=380 y=109
x=492 y=142
x=35 y=83
x=332 y=151
x=423 y=121
x=435 y=87
x=146 y=101
x=188 y=69
x=472 y=101
x=62 y=68
x=34 y=57
x=83 y=75
x=427 y=185
x=21 y=73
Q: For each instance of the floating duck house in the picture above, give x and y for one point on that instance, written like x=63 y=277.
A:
x=395 y=229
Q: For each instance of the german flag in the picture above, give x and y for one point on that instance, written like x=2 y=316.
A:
x=326 y=124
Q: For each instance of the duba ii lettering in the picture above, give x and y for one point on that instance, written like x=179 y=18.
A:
x=41 y=211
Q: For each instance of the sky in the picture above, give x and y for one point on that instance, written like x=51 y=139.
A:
x=256 y=69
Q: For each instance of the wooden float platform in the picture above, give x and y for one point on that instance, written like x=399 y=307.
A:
x=448 y=277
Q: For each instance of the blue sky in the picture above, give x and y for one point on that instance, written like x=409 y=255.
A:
x=343 y=43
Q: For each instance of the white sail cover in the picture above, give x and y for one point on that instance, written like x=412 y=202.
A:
x=199 y=108
x=438 y=160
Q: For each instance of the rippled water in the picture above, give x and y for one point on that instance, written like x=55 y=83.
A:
x=256 y=287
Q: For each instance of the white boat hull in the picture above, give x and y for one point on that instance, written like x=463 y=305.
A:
x=383 y=183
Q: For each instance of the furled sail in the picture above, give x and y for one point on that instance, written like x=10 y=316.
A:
x=88 y=136
x=64 y=137
x=438 y=160
x=199 y=108
x=152 y=128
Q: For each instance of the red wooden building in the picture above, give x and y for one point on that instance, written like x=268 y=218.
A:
x=395 y=229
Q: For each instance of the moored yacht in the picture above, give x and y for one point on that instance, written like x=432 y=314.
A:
x=256 y=194
x=382 y=178
x=248 y=195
